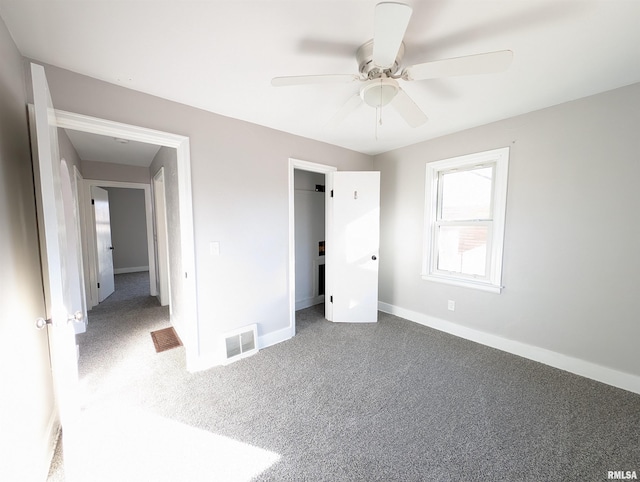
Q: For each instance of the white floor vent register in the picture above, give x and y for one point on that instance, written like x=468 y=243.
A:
x=240 y=343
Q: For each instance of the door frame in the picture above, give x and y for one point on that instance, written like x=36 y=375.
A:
x=162 y=279
x=89 y=230
x=94 y=125
x=323 y=169
x=79 y=196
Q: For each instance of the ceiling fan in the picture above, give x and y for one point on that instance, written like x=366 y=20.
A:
x=379 y=63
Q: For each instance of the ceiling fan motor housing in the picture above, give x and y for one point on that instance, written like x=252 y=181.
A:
x=367 y=67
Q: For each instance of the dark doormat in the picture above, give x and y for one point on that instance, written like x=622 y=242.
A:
x=165 y=339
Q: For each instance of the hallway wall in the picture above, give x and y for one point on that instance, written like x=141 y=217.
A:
x=128 y=230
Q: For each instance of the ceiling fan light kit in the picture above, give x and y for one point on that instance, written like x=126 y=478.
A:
x=379 y=92
x=379 y=62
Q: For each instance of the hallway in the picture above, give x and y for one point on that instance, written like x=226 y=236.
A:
x=118 y=366
x=119 y=332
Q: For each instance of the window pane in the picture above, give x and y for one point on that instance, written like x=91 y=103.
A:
x=466 y=194
x=463 y=249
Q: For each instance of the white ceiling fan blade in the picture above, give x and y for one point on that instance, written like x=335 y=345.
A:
x=408 y=109
x=352 y=104
x=388 y=31
x=487 y=63
x=314 y=79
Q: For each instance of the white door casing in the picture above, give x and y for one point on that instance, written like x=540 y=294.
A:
x=161 y=236
x=104 y=247
x=187 y=306
x=360 y=228
x=353 y=246
x=61 y=277
x=311 y=167
x=89 y=231
x=78 y=196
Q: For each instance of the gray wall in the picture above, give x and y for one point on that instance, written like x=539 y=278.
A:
x=571 y=264
x=240 y=197
x=68 y=152
x=128 y=229
x=570 y=270
x=109 y=171
x=26 y=404
x=309 y=230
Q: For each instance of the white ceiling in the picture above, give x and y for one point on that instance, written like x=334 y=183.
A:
x=94 y=147
x=221 y=55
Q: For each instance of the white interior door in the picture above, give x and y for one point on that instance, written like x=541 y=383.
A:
x=104 y=248
x=353 y=245
x=76 y=194
x=160 y=210
x=61 y=275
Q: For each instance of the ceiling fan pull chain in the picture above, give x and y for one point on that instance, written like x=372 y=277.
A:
x=380 y=121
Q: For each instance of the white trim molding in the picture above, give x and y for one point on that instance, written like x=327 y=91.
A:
x=51 y=438
x=313 y=167
x=498 y=161
x=91 y=270
x=132 y=269
x=215 y=358
x=190 y=333
x=583 y=368
x=274 y=337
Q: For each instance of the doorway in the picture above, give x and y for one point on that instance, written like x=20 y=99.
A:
x=352 y=232
x=90 y=241
x=309 y=238
x=184 y=316
x=323 y=170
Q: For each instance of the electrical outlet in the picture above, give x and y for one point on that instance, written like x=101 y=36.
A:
x=214 y=248
x=451 y=305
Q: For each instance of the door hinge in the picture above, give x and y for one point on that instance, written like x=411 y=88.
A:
x=331 y=299
x=93 y=201
x=332 y=193
x=98 y=285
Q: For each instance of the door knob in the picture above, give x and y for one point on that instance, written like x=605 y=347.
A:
x=76 y=317
x=41 y=323
x=374 y=257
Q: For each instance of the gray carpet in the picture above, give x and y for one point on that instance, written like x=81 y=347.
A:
x=392 y=401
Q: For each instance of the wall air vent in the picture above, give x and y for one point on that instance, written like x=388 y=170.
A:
x=240 y=343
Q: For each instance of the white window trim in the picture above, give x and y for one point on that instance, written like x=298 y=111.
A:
x=500 y=157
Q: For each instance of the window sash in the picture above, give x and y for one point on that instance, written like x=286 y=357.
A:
x=499 y=159
x=435 y=258
x=440 y=188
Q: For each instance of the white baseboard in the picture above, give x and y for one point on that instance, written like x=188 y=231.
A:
x=302 y=304
x=213 y=359
x=570 y=364
x=133 y=269
x=50 y=441
x=274 y=337
x=202 y=362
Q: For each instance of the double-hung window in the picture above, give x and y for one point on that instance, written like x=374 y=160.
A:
x=465 y=216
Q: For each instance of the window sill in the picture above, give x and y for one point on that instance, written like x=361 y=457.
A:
x=477 y=285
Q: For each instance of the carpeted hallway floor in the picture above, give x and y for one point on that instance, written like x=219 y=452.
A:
x=392 y=401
